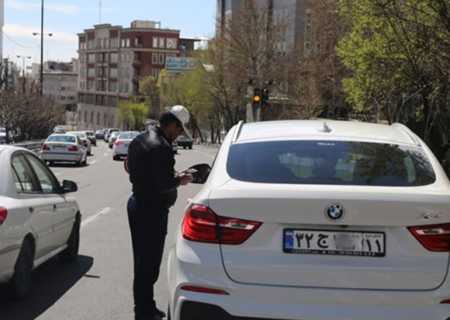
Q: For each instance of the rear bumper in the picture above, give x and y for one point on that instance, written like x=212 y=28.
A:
x=200 y=265
x=45 y=156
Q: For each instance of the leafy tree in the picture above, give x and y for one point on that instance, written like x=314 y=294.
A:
x=132 y=114
x=397 y=52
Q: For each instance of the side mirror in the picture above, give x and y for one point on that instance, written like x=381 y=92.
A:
x=200 y=173
x=69 y=186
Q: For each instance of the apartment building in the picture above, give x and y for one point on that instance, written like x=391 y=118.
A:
x=112 y=61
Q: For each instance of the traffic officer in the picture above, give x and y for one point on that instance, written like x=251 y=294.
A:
x=155 y=183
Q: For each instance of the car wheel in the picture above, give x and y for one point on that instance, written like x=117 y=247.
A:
x=84 y=162
x=20 y=283
x=190 y=147
x=70 y=254
x=184 y=147
x=88 y=153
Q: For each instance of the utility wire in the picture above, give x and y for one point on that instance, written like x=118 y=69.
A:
x=20 y=45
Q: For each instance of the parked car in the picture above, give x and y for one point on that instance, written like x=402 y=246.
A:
x=100 y=134
x=185 y=142
x=64 y=148
x=84 y=140
x=109 y=132
x=314 y=220
x=120 y=148
x=175 y=146
x=113 y=138
x=91 y=136
x=3 y=135
x=38 y=218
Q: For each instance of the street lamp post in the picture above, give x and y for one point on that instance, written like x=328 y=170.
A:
x=23 y=70
x=41 y=74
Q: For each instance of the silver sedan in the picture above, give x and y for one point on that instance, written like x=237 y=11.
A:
x=120 y=148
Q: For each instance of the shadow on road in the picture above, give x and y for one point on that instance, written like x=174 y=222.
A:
x=50 y=282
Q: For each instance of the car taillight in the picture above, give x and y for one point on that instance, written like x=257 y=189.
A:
x=3 y=214
x=204 y=290
x=201 y=224
x=118 y=143
x=45 y=147
x=434 y=237
x=73 y=148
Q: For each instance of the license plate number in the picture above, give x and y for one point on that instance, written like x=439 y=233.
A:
x=60 y=148
x=338 y=243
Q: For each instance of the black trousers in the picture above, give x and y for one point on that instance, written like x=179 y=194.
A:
x=148 y=225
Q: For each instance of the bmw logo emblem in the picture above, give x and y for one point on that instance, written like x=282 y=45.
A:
x=335 y=212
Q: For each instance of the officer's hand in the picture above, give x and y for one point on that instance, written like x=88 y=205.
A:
x=185 y=178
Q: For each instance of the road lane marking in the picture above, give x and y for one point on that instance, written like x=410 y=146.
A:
x=93 y=162
x=58 y=174
x=96 y=216
x=105 y=155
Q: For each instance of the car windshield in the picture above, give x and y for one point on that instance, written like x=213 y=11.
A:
x=2 y=130
x=115 y=134
x=64 y=138
x=330 y=162
x=89 y=133
x=128 y=135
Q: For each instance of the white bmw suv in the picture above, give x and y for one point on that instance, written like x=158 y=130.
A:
x=316 y=220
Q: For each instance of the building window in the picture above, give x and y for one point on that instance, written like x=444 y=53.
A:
x=162 y=42
x=98 y=118
x=113 y=57
x=127 y=43
x=113 y=72
x=91 y=58
x=122 y=43
x=114 y=42
x=92 y=117
x=155 y=42
x=171 y=43
x=275 y=17
x=113 y=87
x=127 y=73
x=91 y=72
x=154 y=58
x=161 y=58
x=127 y=87
x=128 y=57
x=85 y=116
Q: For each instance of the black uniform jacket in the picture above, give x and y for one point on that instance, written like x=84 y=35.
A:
x=151 y=164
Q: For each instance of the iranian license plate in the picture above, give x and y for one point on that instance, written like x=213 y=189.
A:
x=338 y=243
x=60 y=148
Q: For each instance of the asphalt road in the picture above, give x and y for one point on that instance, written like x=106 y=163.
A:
x=99 y=285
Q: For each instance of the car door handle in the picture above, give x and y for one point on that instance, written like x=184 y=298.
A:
x=54 y=207
x=31 y=209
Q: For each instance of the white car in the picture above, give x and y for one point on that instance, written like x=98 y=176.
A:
x=64 y=148
x=120 y=147
x=84 y=140
x=316 y=221
x=38 y=219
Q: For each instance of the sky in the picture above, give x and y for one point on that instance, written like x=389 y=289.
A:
x=65 y=18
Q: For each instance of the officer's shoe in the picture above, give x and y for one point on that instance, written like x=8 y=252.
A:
x=160 y=313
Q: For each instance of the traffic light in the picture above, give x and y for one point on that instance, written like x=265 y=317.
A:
x=264 y=98
x=256 y=98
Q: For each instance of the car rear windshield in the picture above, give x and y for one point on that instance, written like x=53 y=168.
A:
x=70 y=139
x=127 y=135
x=330 y=162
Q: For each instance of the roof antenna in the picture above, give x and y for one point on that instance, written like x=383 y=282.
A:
x=100 y=12
x=325 y=128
